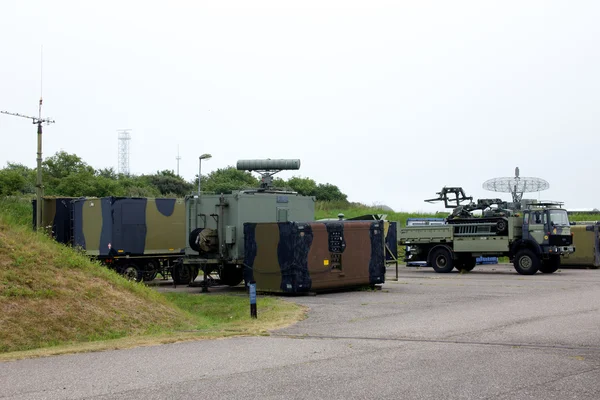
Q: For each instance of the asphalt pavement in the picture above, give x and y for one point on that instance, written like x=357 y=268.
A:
x=488 y=334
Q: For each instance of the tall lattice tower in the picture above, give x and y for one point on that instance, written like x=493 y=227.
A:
x=124 y=138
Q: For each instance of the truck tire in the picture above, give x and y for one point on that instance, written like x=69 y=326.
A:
x=526 y=262
x=230 y=275
x=182 y=274
x=551 y=265
x=466 y=264
x=441 y=260
x=132 y=272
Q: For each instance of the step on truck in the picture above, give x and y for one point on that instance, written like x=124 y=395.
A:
x=533 y=237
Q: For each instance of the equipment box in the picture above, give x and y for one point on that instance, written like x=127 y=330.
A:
x=297 y=257
x=111 y=226
x=586 y=242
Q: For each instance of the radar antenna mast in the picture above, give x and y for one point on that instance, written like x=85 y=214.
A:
x=37 y=121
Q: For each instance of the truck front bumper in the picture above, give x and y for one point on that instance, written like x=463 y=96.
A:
x=562 y=250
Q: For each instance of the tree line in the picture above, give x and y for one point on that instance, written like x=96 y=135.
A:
x=65 y=174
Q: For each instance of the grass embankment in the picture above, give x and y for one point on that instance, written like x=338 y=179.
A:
x=331 y=210
x=57 y=301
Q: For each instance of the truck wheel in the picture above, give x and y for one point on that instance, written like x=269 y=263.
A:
x=466 y=264
x=526 y=262
x=181 y=274
x=131 y=272
x=441 y=260
x=230 y=275
x=150 y=271
x=551 y=265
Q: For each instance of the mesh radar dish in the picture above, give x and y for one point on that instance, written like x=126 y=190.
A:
x=267 y=168
x=516 y=185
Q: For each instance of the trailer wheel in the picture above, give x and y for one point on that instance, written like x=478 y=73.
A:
x=441 y=260
x=150 y=271
x=466 y=264
x=181 y=274
x=131 y=272
x=230 y=275
x=526 y=262
x=551 y=265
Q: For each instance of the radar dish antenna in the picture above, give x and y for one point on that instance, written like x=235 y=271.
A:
x=516 y=186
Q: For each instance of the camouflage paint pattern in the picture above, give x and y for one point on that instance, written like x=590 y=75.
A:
x=115 y=226
x=56 y=217
x=586 y=239
x=294 y=257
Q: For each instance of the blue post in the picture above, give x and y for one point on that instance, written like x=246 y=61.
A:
x=252 y=287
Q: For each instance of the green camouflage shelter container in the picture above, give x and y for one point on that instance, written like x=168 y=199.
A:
x=125 y=226
x=296 y=257
x=586 y=239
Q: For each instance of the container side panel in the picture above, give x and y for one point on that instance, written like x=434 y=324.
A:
x=165 y=231
x=492 y=244
x=49 y=216
x=129 y=229
x=266 y=269
x=292 y=253
x=319 y=259
x=250 y=251
x=90 y=227
x=391 y=240
x=584 y=241
x=78 y=234
x=61 y=225
x=377 y=259
x=165 y=206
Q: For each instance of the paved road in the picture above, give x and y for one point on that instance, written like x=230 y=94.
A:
x=490 y=334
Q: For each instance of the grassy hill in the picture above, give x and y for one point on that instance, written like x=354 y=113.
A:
x=350 y=210
x=52 y=296
x=331 y=210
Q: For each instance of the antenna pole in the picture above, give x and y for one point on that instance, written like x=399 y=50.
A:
x=178 y=158
x=39 y=186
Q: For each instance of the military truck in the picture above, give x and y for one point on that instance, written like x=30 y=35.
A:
x=534 y=238
x=214 y=223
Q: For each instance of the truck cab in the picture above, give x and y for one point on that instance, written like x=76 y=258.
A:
x=546 y=236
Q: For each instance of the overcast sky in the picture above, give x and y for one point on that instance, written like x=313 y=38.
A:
x=390 y=101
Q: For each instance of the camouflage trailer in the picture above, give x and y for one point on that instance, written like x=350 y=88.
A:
x=586 y=238
x=297 y=257
x=138 y=237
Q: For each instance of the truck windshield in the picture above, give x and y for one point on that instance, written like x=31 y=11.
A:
x=559 y=217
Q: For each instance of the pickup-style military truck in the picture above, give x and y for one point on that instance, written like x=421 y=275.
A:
x=534 y=239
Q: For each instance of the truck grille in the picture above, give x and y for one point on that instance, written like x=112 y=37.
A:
x=560 y=240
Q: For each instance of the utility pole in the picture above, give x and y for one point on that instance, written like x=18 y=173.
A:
x=178 y=158
x=40 y=189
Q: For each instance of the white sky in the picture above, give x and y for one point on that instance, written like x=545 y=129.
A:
x=388 y=100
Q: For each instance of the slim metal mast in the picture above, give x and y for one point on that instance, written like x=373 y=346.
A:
x=38 y=121
x=40 y=189
x=178 y=158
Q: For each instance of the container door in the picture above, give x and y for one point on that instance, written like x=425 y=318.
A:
x=130 y=226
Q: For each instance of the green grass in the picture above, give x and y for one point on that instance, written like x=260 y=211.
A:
x=53 y=296
x=331 y=210
x=217 y=313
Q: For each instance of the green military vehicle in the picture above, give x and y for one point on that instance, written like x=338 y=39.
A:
x=534 y=236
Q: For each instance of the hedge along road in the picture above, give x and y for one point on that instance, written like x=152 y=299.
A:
x=489 y=334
